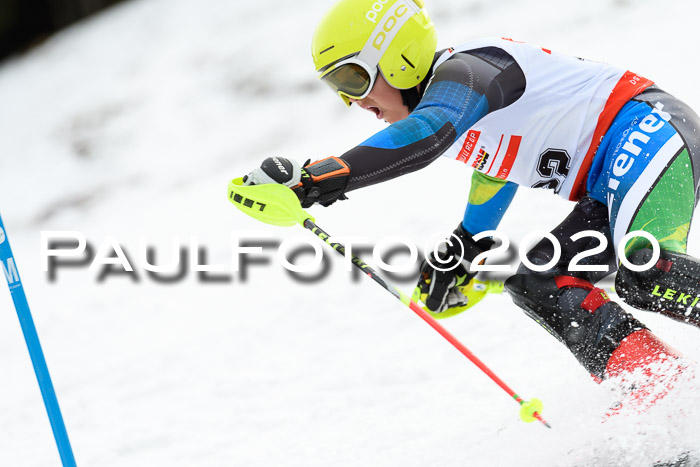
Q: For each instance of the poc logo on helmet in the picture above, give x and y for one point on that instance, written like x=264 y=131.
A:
x=388 y=26
x=377 y=6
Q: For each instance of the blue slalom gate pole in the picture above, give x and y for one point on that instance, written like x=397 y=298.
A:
x=9 y=267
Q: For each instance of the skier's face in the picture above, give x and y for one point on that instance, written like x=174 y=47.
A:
x=384 y=101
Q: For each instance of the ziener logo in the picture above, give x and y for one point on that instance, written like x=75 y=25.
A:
x=280 y=166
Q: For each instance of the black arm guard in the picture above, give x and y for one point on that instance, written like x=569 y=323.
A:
x=323 y=182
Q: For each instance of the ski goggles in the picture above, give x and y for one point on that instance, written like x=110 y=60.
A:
x=354 y=76
x=350 y=78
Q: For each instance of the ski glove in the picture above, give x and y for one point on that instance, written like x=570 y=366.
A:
x=322 y=182
x=441 y=278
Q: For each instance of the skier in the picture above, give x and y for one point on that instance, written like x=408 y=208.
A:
x=608 y=139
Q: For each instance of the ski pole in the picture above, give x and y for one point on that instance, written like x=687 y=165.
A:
x=9 y=267
x=278 y=205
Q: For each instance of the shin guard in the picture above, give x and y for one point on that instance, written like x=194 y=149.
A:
x=577 y=313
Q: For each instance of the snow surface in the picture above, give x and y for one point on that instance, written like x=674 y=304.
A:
x=130 y=125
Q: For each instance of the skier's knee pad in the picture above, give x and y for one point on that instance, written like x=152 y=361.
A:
x=671 y=286
x=580 y=315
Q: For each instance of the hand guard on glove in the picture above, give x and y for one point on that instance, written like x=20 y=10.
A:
x=442 y=285
x=322 y=182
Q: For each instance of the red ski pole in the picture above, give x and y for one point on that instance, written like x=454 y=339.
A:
x=278 y=205
x=529 y=410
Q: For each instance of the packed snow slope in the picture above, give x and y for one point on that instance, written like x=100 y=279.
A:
x=128 y=127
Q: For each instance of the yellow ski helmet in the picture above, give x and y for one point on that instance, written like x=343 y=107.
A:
x=357 y=38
